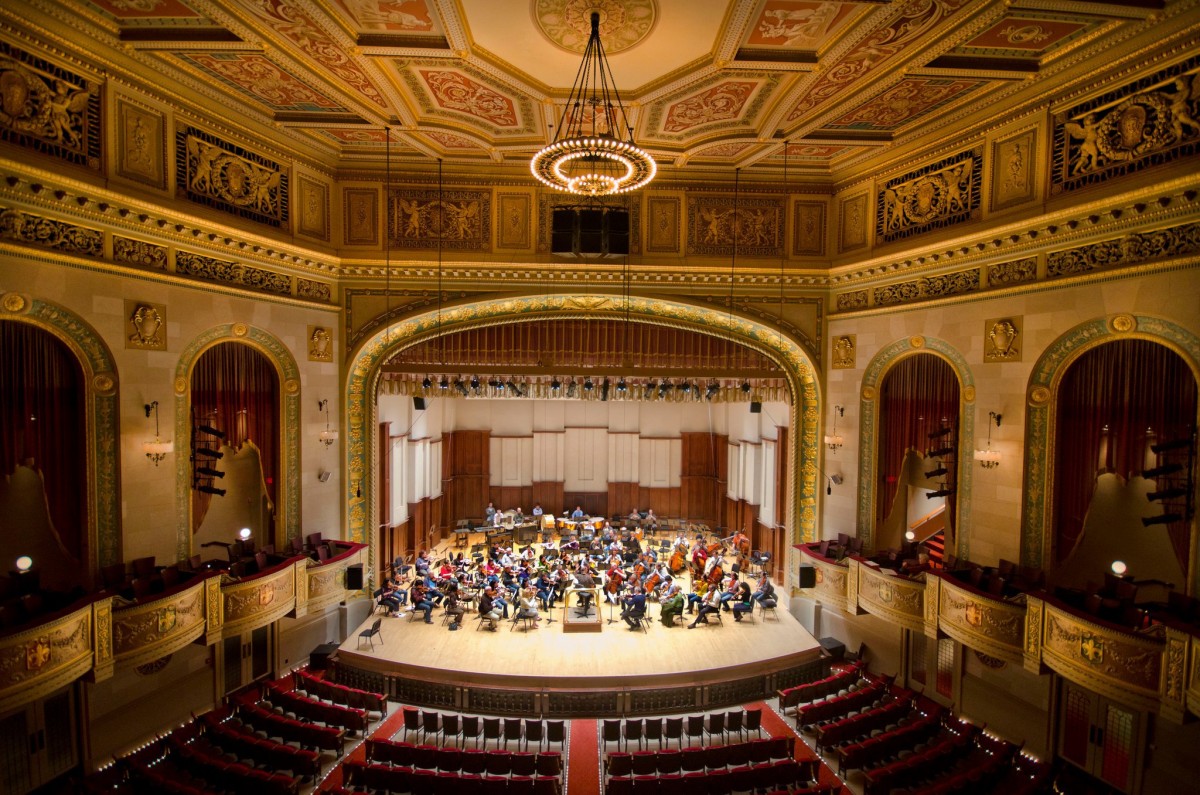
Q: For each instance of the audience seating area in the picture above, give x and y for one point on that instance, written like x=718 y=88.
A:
x=664 y=730
x=811 y=691
x=309 y=709
x=482 y=729
x=423 y=781
x=352 y=697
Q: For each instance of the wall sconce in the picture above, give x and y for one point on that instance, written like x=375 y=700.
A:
x=156 y=450
x=989 y=458
x=24 y=564
x=834 y=440
x=329 y=435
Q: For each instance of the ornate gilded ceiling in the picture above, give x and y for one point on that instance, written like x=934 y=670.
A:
x=709 y=82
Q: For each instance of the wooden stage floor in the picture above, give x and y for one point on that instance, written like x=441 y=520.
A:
x=546 y=658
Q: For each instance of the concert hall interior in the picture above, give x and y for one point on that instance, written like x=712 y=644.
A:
x=803 y=399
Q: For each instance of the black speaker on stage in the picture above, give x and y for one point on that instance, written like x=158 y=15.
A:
x=755 y=407
x=808 y=577
x=354 y=577
x=318 y=658
x=419 y=403
x=590 y=232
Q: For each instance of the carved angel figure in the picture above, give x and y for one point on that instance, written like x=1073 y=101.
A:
x=411 y=211
x=1089 y=151
x=713 y=221
x=1181 y=100
x=462 y=218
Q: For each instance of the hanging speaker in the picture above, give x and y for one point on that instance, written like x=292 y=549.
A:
x=354 y=577
x=755 y=407
x=589 y=232
x=808 y=577
x=419 y=403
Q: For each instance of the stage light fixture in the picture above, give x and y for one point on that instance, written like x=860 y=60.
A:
x=604 y=390
x=588 y=385
x=664 y=388
x=208 y=452
x=555 y=385
x=1162 y=471
x=938 y=453
x=939 y=493
x=685 y=387
x=211 y=490
x=621 y=385
x=461 y=387
x=444 y=383
x=745 y=387
x=1165 y=518
x=211 y=431
x=571 y=388
x=475 y=382
x=1167 y=494
x=940 y=433
x=209 y=472
x=426 y=383
x=712 y=390
x=936 y=473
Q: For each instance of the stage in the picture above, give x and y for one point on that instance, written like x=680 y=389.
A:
x=616 y=671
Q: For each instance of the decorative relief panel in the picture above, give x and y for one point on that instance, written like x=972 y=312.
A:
x=258 y=601
x=141 y=150
x=514 y=217
x=227 y=177
x=1128 y=250
x=852 y=232
x=314 y=208
x=1002 y=339
x=808 y=229
x=140 y=253
x=320 y=344
x=1193 y=687
x=361 y=216
x=936 y=196
x=1145 y=123
x=460 y=220
x=317 y=291
x=548 y=202
x=1122 y=666
x=1012 y=170
x=992 y=626
x=49 y=109
x=145 y=325
x=662 y=228
x=215 y=270
x=930 y=287
x=898 y=600
x=1018 y=272
x=40 y=660
x=845 y=351
x=146 y=632
x=850 y=301
x=49 y=233
x=715 y=222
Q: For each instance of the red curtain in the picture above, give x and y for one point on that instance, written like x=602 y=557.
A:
x=42 y=418
x=917 y=397
x=1129 y=386
x=235 y=389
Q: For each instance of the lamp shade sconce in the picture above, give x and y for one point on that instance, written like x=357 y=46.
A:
x=987 y=457
x=833 y=440
x=329 y=435
x=157 y=449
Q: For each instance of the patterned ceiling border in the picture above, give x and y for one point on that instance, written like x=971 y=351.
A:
x=1037 y=514
x=366 y=360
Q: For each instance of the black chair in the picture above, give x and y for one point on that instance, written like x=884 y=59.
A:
x=371 y=634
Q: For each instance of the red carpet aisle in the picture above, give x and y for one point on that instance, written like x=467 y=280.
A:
x=384 y=731
x=776 y=726
x=583 y=759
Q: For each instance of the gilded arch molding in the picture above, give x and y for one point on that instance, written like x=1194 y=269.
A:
x=103 y=536
x=287 y=494
x=868 y=443
x=1041 y=395
x=367 y=359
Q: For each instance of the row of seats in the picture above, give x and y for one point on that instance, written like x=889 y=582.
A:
x=234 y=738
x=340 y=694
x=306 y=735
x=875 y=750
x=464 y=760
x=206 y=761
x=387 y=779
x=666 y=729
x=840 y=706
x=811 y=691
x=710 y=758
x=864 y=723
x=783 y=774
x=455 y=725
x=936 y=758
x=305 y=708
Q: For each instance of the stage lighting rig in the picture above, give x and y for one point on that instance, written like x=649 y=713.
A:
x=1178 y=494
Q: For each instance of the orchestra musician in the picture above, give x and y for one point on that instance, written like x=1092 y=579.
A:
x=454 y=605
x=712 y=604
x=577 y=514
x=765 y=594
x=672 y=604
x=528 y=608
x=696 y=597
x=488 y=607
x=634 y=607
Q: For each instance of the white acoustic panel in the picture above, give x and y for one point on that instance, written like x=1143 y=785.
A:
x=659 y=462
x=435 y=468
x=751 y=471
x=733 y=470
x=548 y=456
x=399 y=475
x=585 y=459
x=511 y=460
x=766 y=502
x=622 y=457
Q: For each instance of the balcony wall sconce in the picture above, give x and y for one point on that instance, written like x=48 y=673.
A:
x=156 y=450
x=329 y=435
x=987 y=457
x=834 y=439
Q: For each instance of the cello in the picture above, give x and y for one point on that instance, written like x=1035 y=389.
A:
x=678 y=558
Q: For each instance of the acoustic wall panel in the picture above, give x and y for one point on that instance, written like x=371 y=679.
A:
x=434 y=464
x=586 y=460
x=512 y=460
x=399 y=481
x=622 y=457
x=548 y=456
x=659 y=463
x=766 y=491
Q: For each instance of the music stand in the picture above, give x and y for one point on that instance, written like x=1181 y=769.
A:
x=612 y=620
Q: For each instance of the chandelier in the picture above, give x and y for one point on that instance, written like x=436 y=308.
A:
x=587 y=157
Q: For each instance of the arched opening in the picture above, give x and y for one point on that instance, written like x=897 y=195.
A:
x=44 y=511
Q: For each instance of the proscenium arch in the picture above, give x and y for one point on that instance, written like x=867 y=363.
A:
x=868 y=443
x=102 y=538
x=1041 y=395
x=367 y=359
x=287 y=497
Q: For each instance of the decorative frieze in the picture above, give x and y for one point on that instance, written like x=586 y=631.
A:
x=37 y=661
x=850 y=301
x=455 y=220
x=1016 y=272
x=898 y=600
x=145 y=325
x=936 y=196
x=258 y=601
x=227 y=177
x=215 y=270
x=717 y=226
x=307 y=288
x=1136 y=126
x=48 y=109
x=928 y=287
x=139 y=252
x=1128 y=250
x=50 y=233
x=146 y=632
x=992 y=626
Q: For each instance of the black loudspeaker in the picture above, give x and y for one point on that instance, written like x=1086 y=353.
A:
x=589 y=232
x=419 y=403
x=354 y=577
x=808 y=577
x=755 y=407
x=318 y=658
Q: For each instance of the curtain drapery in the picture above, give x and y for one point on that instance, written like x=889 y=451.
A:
x=235 y=389
x=42 y=408
x=1131 y=387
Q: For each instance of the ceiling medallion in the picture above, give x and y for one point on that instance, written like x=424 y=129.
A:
x=586 y=157
x=624 y=23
